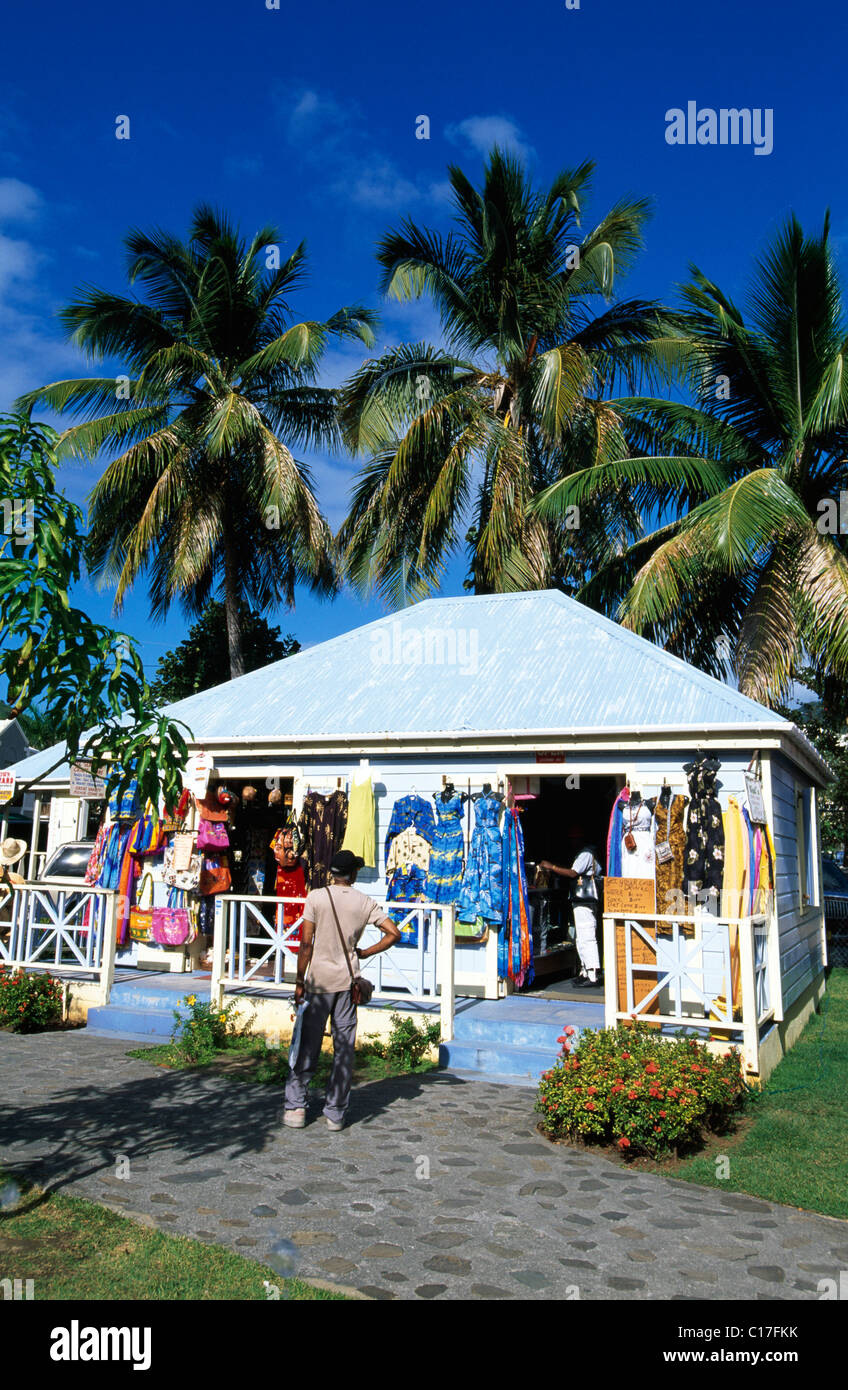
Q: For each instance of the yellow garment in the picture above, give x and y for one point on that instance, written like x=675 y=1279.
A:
x=407 y=849
x=735 y=861
x=359 y=835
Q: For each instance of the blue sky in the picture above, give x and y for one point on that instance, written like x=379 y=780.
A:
x=306 y=120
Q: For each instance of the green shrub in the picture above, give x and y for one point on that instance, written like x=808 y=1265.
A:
x=29 y=1003
x=407 y=1044
x=637 y=1089
x=205 y=1031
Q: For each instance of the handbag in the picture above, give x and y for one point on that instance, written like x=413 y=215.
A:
x=630 y=838
x=360 y=988
x=141 y=918
x=187 y=878
x=171 y=926
x=212 y=835
x=215 y=876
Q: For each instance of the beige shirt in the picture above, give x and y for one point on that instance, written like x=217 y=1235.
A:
x=328 y=973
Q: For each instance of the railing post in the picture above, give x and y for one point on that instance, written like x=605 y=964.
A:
x=610 y=973
x=750 y=1025
x=110 y=945
x=219 y=947
x=446 y=972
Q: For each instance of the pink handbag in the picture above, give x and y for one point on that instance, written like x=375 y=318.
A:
x=171 y=926
x=212 y=835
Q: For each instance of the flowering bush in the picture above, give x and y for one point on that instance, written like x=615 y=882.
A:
x=29 y=1003
x=205 y=1031
x=639 y=1090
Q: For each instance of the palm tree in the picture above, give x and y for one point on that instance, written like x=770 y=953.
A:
x=761 y=561
x=471 y=433
x=220 y=387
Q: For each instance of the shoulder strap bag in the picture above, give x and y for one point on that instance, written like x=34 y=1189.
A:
x=360 y=988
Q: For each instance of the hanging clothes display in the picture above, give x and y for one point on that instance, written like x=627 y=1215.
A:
x=616 y=833
x=734 y=892
x=410 y=812
x=515 y=943
x=407 y=867
x=704 y=834
x=444 y=878
x=94 y=867
x=322 y=826
x=481 y=893
x=670 y=830
x=359 y=835
x=290 y=880
x=638 y=854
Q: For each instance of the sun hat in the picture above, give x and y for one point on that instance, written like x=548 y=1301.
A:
x=345 y=862
x=12 y=850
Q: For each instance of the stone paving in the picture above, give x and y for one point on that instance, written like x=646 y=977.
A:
x=439 y=1188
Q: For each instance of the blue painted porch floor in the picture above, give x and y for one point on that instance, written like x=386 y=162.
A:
x=513 y=1040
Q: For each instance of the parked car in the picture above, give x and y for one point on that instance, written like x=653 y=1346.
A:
x=835 y=886
x=68 y=861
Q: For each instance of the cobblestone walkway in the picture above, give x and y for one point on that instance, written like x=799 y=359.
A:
x=438 y=1187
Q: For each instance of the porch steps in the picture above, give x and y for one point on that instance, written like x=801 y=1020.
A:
x=142 y=1010
x=512 y=1041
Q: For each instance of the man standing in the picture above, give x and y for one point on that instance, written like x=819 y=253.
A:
x=585 y=871
x=327 y=984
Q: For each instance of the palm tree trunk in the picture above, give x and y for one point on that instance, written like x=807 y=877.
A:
x=232 y=611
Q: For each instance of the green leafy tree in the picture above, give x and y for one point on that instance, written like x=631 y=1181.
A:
x=201 y=660
x=218 y=387
x=86 y=679
x=471 y=434
x=758 y=564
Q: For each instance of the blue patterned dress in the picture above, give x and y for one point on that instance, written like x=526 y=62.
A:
x=444 y=879
x=481 y=894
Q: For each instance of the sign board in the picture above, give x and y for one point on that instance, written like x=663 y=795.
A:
x=550 y=757
x=7 y=787
x=756 y=803
x=83 y=785
x=623 y=895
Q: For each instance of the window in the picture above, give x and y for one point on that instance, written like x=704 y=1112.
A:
x=808 y=890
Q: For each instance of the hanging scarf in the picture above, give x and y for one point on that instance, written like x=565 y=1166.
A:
x=515 y=945
x=616 y=833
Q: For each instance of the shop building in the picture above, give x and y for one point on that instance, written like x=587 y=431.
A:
x=580 y=726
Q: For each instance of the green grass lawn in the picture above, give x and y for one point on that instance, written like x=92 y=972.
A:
x=793 y=1145
x=74 y=1249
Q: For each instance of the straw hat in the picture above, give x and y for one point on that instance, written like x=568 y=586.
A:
x=11 y=851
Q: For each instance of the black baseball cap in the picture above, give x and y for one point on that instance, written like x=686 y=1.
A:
x=345 y=862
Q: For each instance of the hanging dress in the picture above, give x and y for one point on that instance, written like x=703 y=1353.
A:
x=359 y=835
x=481 y=894
x=410 y=812
x=407 y=866
x=515 y=942
x=444 y=877
x=704 y=835
x=615 y=834
x=638 y=821
x=670 y=830
x=323 y=822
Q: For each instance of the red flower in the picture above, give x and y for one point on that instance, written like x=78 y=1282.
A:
x=626 y=1054
x=662 y=1114
x=623 y=1142
x=652 y=1067
x=570 y=1031
x=631 y=1095
x=590 y=1105
x=592 y=1091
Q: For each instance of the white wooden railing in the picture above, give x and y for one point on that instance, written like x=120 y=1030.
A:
x=63 y=927
x=704 y=971
x=253 y=948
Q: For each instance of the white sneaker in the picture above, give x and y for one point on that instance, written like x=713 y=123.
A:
x=295 y=1119
x=335 y=1124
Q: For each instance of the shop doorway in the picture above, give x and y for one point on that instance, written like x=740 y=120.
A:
x=559 y=816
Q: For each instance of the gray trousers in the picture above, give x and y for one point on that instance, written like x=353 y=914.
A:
x=342 y=1011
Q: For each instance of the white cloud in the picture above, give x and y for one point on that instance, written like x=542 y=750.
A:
x=484 y=132
x=380 y=185
x=19 y=202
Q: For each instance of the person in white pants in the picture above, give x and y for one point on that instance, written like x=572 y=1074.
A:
x=585 y=870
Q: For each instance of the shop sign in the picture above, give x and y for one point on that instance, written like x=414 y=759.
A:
x=626 y=895
x=756 y=801
x=550 y=757
x=81 y=784
x=7 y=787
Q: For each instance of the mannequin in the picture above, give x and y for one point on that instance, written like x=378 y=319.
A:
x=448 y=792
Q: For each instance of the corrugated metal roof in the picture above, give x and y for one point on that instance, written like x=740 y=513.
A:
x=511 y=662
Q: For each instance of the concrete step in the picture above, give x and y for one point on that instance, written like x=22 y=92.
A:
x=496 y=1078
x=517 y=1032
x=138 y=1022
x=492 y=1058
